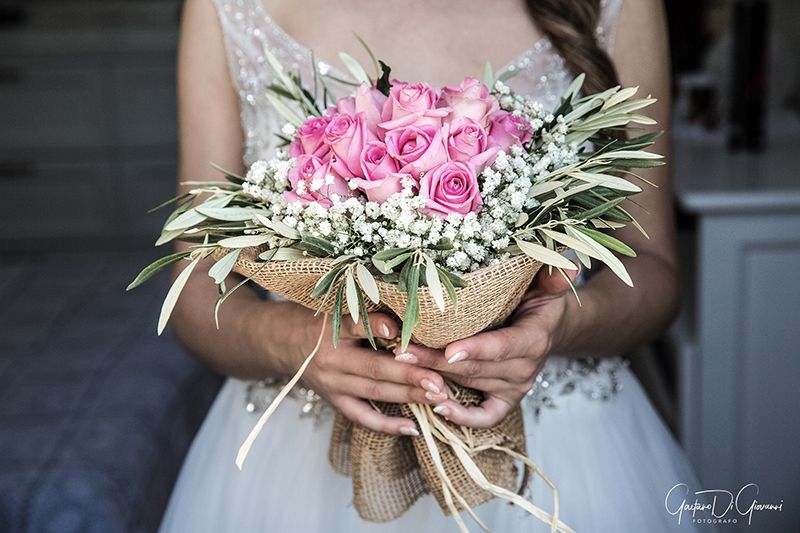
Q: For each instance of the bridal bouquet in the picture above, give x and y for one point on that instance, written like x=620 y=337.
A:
x=437 y=205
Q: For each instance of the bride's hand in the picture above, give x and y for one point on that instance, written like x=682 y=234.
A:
x=503 y=363
x=348 y=375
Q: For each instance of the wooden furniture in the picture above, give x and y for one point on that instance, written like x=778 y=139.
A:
x=739 y=334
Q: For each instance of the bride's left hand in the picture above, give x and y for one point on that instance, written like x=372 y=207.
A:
x=503 y=363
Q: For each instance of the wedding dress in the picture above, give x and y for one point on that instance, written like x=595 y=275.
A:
x=589 y=425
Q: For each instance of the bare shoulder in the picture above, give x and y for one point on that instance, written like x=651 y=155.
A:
x=641 y=56
x=208 y=106
x=641 y=51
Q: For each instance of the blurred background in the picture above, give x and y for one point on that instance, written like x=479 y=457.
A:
x=96 y=412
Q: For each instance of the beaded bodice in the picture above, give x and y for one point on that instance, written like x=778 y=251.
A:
x=540 y=72
x=248 y=29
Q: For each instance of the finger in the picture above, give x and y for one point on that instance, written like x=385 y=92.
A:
x=496 y=345
x=381 y=324
x=384 y=391
x=518 y=370
x=379 y=367
x=490 y=413
x=364 y=414
x=416 y=354
x=490 y=385
x=515 y=370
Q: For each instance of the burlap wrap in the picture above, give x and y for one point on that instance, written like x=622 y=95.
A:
x=390 y=473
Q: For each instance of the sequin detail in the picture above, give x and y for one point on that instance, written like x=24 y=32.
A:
x=596 y=379
x=259 y=395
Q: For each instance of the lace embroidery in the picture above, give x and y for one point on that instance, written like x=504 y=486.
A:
x=248 y=29
x=597 y=379
x=540 y=72
x=606 y=29
x=260 y=394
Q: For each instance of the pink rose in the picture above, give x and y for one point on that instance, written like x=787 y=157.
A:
x=381 y=189
x=347 y=135
x=468 y=141
x=452 y=187
x=471 y=99
x=370 y=101
x=312 y=182
x=376 y=162
x=409 y=98
x=507 y=130
x=416 y=148
x=346 y=105
x=310 y=138
x=411 y=103
x=381 y=179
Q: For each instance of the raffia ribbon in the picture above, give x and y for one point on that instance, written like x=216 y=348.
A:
x=462 y=467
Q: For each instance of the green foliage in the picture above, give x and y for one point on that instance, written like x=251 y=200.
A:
x=411 y=316
x=570 y=206
x=155 y=267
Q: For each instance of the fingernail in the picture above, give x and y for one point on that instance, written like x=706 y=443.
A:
x=458 y=356
x=429 y=385
x=385 y=331
x=411 y=432
x=441 y=410
x=432 y=397
x=406 y=357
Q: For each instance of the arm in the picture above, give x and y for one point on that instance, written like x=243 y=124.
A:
x=257 y=338
x=209 y=131
x=613 y=318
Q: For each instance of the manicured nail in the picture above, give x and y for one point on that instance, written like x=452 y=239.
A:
x=411 y=432
x=458 y=356
x=432 y=397
x=429 y=385
x=442 y=410
x=406 y=357
x=385 y=331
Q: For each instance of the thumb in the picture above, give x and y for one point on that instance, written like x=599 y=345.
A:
x=552 y=282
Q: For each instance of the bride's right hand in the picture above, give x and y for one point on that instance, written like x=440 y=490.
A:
x=350 y=374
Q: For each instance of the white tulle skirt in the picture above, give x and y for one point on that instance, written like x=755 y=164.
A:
x=613 y=462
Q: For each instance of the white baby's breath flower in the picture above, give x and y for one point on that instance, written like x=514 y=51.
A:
x=316 y=184
x=288 y=129
x=356 y=226
x=372 y=209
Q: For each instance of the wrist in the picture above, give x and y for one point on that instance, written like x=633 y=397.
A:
x=565 y=327
x=280 y=334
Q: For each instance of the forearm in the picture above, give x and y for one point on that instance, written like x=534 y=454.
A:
x=614 y=318
x=256 y=338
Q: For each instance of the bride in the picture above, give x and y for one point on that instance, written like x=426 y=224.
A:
x=589 y=425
